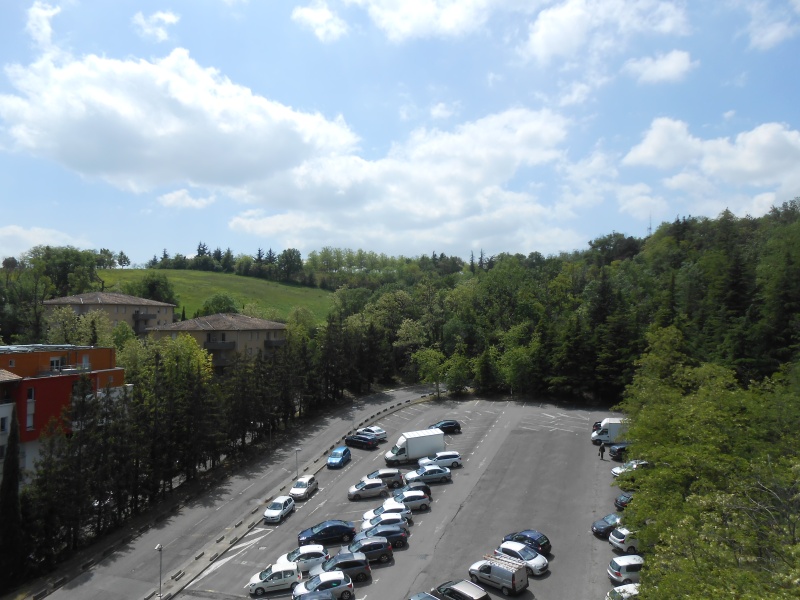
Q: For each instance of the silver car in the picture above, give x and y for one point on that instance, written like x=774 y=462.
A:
x=390 y=506
x=386 y=519
x=429 y=474
x=373 y=430
x=447 y=458
x=414 y=499
x=304 y=487
x=392 y=477
x=367 y=488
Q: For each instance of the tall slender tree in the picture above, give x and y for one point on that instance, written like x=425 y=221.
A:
x=12 y=535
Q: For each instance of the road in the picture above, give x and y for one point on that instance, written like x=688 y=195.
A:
x=526 y=466
x=133 y=571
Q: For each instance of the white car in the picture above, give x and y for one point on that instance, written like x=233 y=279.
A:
x=623 y=540
x=447 y=458
x=305 y=557
x=535 y=563
x=429 y=474
x=388 y=507
x=373 y=430
x=284 y=576
x=337 y=582
x=414 y=499
x=386 y=519
x=304 y=487
x=280 y=508
x=631 y=465
x=623 y=592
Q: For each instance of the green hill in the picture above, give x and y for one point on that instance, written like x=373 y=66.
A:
x=194 y=287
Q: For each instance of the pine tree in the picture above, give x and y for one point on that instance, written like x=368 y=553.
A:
x=12 y=536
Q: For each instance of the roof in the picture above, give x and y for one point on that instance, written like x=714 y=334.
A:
x=100 y=298
x=6 y=376
x=220 y=322
x=29 y=348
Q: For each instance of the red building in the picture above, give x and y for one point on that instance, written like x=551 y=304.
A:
x=38 y=379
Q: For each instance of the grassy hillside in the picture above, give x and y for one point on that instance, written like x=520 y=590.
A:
x=194 y=287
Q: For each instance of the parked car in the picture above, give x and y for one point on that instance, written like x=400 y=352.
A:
x=536 y=563
x=631 y=465
x=422 y=596
x=396 y=535
x=416 y=485
x=339 y=457
x=284 y=576
x=339 y=584
x=374 y=548
x=510 y=575
x=531 y=538
x=617 y=451
x=367 y=488
x=623 y=540
x=355 y=565
x=280 y=508
x=365 y=442
x=429 y=474
x=390 y=506
x=317 y=595
x=460 y=590
x=625 y=569
x=602 y=527
x=386 y=519
x=304 y=487
x=622 y=501
x=623 y=592
x=373 y=430
x=391 y=477
x=331 y=531
x=447 y=458
x=305 y=557
x=447 y=425
x=414 y=499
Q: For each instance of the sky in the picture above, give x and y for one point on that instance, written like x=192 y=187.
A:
x=403 y=127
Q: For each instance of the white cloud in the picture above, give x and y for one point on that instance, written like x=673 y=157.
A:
x=155 y=26
x=729 y=114
x=15 y=240
x=442 y=110
x=327 y=26
x=38 y=24
x=183 y=199
x=577 y=93
x=405 y=19
x=771 y=24
x=667 y=144
x=639 y=201
x=589 y=29
x=670 y=67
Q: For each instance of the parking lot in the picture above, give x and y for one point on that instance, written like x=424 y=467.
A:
x=525 y=466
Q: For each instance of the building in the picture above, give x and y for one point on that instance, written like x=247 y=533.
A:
x=39 y=379
x=227 y=335
x=139 y=313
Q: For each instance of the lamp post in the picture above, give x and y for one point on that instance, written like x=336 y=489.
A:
x=159 y=548
x=297 y=462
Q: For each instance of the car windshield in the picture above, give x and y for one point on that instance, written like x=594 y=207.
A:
x=265 y=573
x=379 y=511
x=329 y=564
x=615 y=595
x=360 y=485
x=336 y=454
x=611 y=519
x=300 y=484
x=313 y=583
x=374 y=475
x=431 y=457
x=356 y=546
x=527 y=554
x=318 y=528
x=275 y=506
x=293 y=554
x=420 y=471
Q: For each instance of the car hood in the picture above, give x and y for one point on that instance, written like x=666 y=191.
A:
x=602 y=524
x=272 y=512
x=255 y=578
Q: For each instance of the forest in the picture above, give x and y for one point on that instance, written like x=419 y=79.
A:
x=693 y=332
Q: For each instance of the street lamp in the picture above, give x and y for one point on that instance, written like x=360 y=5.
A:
x=296 y=462
x=159 y=548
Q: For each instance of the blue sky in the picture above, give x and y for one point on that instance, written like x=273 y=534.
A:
x=402 y=127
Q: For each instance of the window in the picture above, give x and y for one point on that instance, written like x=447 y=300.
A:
x=3 y=424
x=12 y=363
x=56 y=363
x=2 y=452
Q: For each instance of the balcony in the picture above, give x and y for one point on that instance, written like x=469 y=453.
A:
x=273 y=344
x=219 y=345
x=140 y=316
x=65 y=370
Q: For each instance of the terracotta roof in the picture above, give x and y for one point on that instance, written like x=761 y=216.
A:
x=220 y=322
x=91 y=298
x=6 y=376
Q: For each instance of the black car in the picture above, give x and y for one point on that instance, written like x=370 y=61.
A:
x=374 y=548
x=415 y=485
x=622 y=501
x=359 y=440
x=394 y=534
x=327 y=532
x=531 y=538
x=602 y=527
x=617 y=451
x=448 y=426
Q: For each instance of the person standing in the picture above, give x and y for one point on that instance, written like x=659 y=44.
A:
x=602 y=450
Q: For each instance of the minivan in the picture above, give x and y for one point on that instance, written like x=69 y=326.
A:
x=625 y=569
x=623 y=540
x=506 y=573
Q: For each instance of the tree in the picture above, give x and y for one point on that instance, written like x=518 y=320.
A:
x=12 y=535
x=290 y=263
x=218 y=304
x=153 y=286
x=123 y=260
x=429 y=363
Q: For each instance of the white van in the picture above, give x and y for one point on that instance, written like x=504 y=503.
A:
x=506 y=573
x=623 y=540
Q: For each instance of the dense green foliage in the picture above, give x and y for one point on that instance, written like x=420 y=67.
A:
x=694 y=330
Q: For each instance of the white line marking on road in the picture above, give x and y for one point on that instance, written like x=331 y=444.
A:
x=247 y=488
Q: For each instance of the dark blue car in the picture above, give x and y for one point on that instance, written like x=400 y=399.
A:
x=332 y=531
x=531 y=538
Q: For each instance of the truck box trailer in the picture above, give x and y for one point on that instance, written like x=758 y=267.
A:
x=610 y=429
x=413 y=445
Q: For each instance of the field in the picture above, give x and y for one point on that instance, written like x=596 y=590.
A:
x=194 y=287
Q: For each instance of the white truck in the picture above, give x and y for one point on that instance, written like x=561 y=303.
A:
x=413 y=445
x=609 y=431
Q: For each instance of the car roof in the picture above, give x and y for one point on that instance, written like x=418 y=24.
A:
x=281 y=498
x=466 y=586
x=348 y=556
x=628 y=559
x=512 y=545
x=331 y=575
x=305 y=478
x=312 y=548
x=340 y=448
